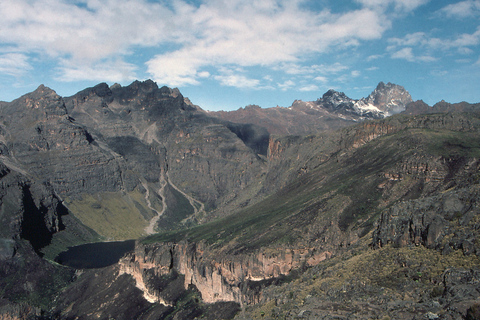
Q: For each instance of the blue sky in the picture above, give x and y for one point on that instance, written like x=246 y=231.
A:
x=224 y=55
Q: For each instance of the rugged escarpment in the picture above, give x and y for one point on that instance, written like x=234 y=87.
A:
x=30 y=216
x=217 y=276
x=403 y=180
x=41 y=139
x=212 y=161
x=445 y=222
x=122 y=156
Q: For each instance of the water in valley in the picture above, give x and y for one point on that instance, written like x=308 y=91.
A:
x=95 y=255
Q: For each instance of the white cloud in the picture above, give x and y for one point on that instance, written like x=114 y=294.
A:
x=238 y=81
x=185 y=39
x=407 y=54
x=112 y=71
x=399 y=5
x=462 y=9
x=297 y=69
x=286 y=85
x=410 y=39
x=249 y=34
x=269 y=78
x=59 y=28
x=355 y=73
x=311 y=87
x=321 y=79
x=421 y=41
x=374 y=57
x=14 y=64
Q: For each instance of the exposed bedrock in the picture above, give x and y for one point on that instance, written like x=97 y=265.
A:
x=218 y=277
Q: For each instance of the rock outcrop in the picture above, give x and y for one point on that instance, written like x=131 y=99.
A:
x=218 y=277
x=444 y=222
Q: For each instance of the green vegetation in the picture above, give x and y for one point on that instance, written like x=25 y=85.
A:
x=112 y=215
x=75 y=235
x=344 y=189
x=402 y=274
x=178 y=209
x=451 y=144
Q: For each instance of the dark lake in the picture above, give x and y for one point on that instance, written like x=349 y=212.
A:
x=95 y=255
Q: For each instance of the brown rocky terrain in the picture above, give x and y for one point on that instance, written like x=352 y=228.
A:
x=378 y=220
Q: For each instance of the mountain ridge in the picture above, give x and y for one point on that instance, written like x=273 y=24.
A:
x=249 y=223
x=333 y=110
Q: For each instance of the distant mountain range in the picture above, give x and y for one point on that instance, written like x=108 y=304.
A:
x=334 y=208
x=334 y=110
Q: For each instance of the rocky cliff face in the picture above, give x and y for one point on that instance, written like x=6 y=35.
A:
x=217 y=276
x=388 y=98
x=438 y=222
x=148 y=147
x=30 y=216
x=41 y=139
x=181 y=138
x=29 y=211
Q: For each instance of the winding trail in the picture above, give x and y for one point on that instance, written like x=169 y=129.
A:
x=161 y=192
x=198 y=207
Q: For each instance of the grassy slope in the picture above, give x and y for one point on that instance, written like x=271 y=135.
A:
x=342 y=189
x=113 y=215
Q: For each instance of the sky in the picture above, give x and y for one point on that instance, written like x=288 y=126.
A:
x=227 y=54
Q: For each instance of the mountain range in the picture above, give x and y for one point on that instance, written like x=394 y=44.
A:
x=253 y=213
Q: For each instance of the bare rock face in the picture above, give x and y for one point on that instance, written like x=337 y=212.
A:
x=29 y=211
x=41 y=139
x=175 y=137
x=131 y=142
x=30 y=215
x=216 y=276
x=437 y=222
x=387 y=98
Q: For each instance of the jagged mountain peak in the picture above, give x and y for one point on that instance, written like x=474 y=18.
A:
x=43 y=102
x=148 y=86
x=387 y=98
x=335 y=100
x=334 y=93
x=43 y=90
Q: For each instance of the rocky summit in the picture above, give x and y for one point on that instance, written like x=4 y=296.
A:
x=329 y=209
x=333 y=110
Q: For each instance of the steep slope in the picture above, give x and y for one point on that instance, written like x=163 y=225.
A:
x=168 y=141
x=332 y=111
x=331 y=208
x=31 y=216
x=300 y=218
x=129 y=160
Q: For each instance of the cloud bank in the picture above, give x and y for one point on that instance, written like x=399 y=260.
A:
x=186 y=42
x=182 y=43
